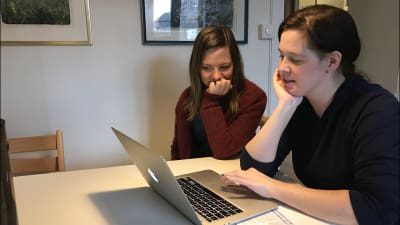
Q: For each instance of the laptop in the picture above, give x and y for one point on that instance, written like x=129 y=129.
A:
x=230 y=204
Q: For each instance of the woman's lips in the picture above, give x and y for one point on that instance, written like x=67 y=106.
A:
x=288 y=83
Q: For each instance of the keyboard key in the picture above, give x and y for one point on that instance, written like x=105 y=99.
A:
x=205 y=202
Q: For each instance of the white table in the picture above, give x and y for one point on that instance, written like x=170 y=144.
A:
x=66 y=198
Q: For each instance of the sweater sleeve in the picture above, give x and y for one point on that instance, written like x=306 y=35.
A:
x=177 y=151
x=227 y=138
x=270 y=168
x=375 y=133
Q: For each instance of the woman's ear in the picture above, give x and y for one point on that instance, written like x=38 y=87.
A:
x=334 y=59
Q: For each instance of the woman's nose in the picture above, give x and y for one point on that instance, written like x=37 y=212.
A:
x=283 y=67
x=216 y=74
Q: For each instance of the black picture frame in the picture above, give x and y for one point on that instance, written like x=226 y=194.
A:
x=77 y=32
x=177 y=22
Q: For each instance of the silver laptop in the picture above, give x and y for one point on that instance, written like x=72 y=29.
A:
x=228 y=204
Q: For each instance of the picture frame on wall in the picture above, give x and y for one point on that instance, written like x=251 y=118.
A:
x=175 y=22
x=45 y=22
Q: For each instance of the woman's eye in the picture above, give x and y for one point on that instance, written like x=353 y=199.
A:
x=220 y=68
x=206 y=68
x=295 y=61
x=290 y=59
x=224 y=67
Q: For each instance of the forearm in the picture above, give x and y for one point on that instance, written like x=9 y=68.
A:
x=264 y=145
x=329 y=205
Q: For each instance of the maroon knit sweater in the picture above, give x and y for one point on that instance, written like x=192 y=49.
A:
x=227 y=133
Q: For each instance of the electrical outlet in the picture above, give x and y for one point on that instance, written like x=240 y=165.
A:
x=265 y=31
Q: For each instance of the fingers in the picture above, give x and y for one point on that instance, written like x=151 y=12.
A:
x=223 y=85
x=277 y=75
x=230 y=180
x=236 y=177
x=277 y=81
x=211 y=87
x=220 y=87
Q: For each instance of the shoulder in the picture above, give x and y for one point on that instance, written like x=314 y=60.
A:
x=359 y=93
x=185 y=93
x=252 y=96
x=252 y=86
x=182 y=98
x=253 y=91
x=366 y=108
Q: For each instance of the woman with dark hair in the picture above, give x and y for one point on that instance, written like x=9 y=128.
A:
x=220 y=110
x=343 y=132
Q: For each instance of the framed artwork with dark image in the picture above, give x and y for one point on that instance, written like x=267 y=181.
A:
x=168 y=22
x=45 y=22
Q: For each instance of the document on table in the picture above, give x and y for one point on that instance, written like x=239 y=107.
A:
x=283 y=216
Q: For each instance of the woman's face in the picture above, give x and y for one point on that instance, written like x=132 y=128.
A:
x=302 y=71
x=217 y=64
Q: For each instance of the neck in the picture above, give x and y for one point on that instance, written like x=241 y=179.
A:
x=322 y=98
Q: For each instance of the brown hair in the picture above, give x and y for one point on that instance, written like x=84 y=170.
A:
x=210 y=37
x=328 y=29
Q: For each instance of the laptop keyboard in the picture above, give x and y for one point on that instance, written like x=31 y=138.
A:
x=205 y=202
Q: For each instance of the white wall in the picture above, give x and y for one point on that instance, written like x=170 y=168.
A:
x=378 y=26
x=84 y=90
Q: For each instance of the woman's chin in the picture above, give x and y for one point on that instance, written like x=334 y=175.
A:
x=291 y=90
x=295 y=93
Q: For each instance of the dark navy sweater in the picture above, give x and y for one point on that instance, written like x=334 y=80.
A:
x=353 y=146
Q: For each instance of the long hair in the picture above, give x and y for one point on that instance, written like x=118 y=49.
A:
x=328 y=29
x=211 y=37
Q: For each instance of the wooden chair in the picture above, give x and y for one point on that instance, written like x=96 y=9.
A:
x=262 y=121
x=8 y=206
x=31 y=155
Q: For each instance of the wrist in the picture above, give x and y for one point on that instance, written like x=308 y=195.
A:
x=210 y=100
x=287 y=106
x=211 y=96
x=274 y=188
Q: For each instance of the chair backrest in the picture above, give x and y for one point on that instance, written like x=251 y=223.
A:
x=262 y=121
x=30 y=155
x=8 y=206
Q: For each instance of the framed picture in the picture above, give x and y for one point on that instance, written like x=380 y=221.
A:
x=45 y=22
x=179 y=21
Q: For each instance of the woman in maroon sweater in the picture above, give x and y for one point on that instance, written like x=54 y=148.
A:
x=220 y=110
